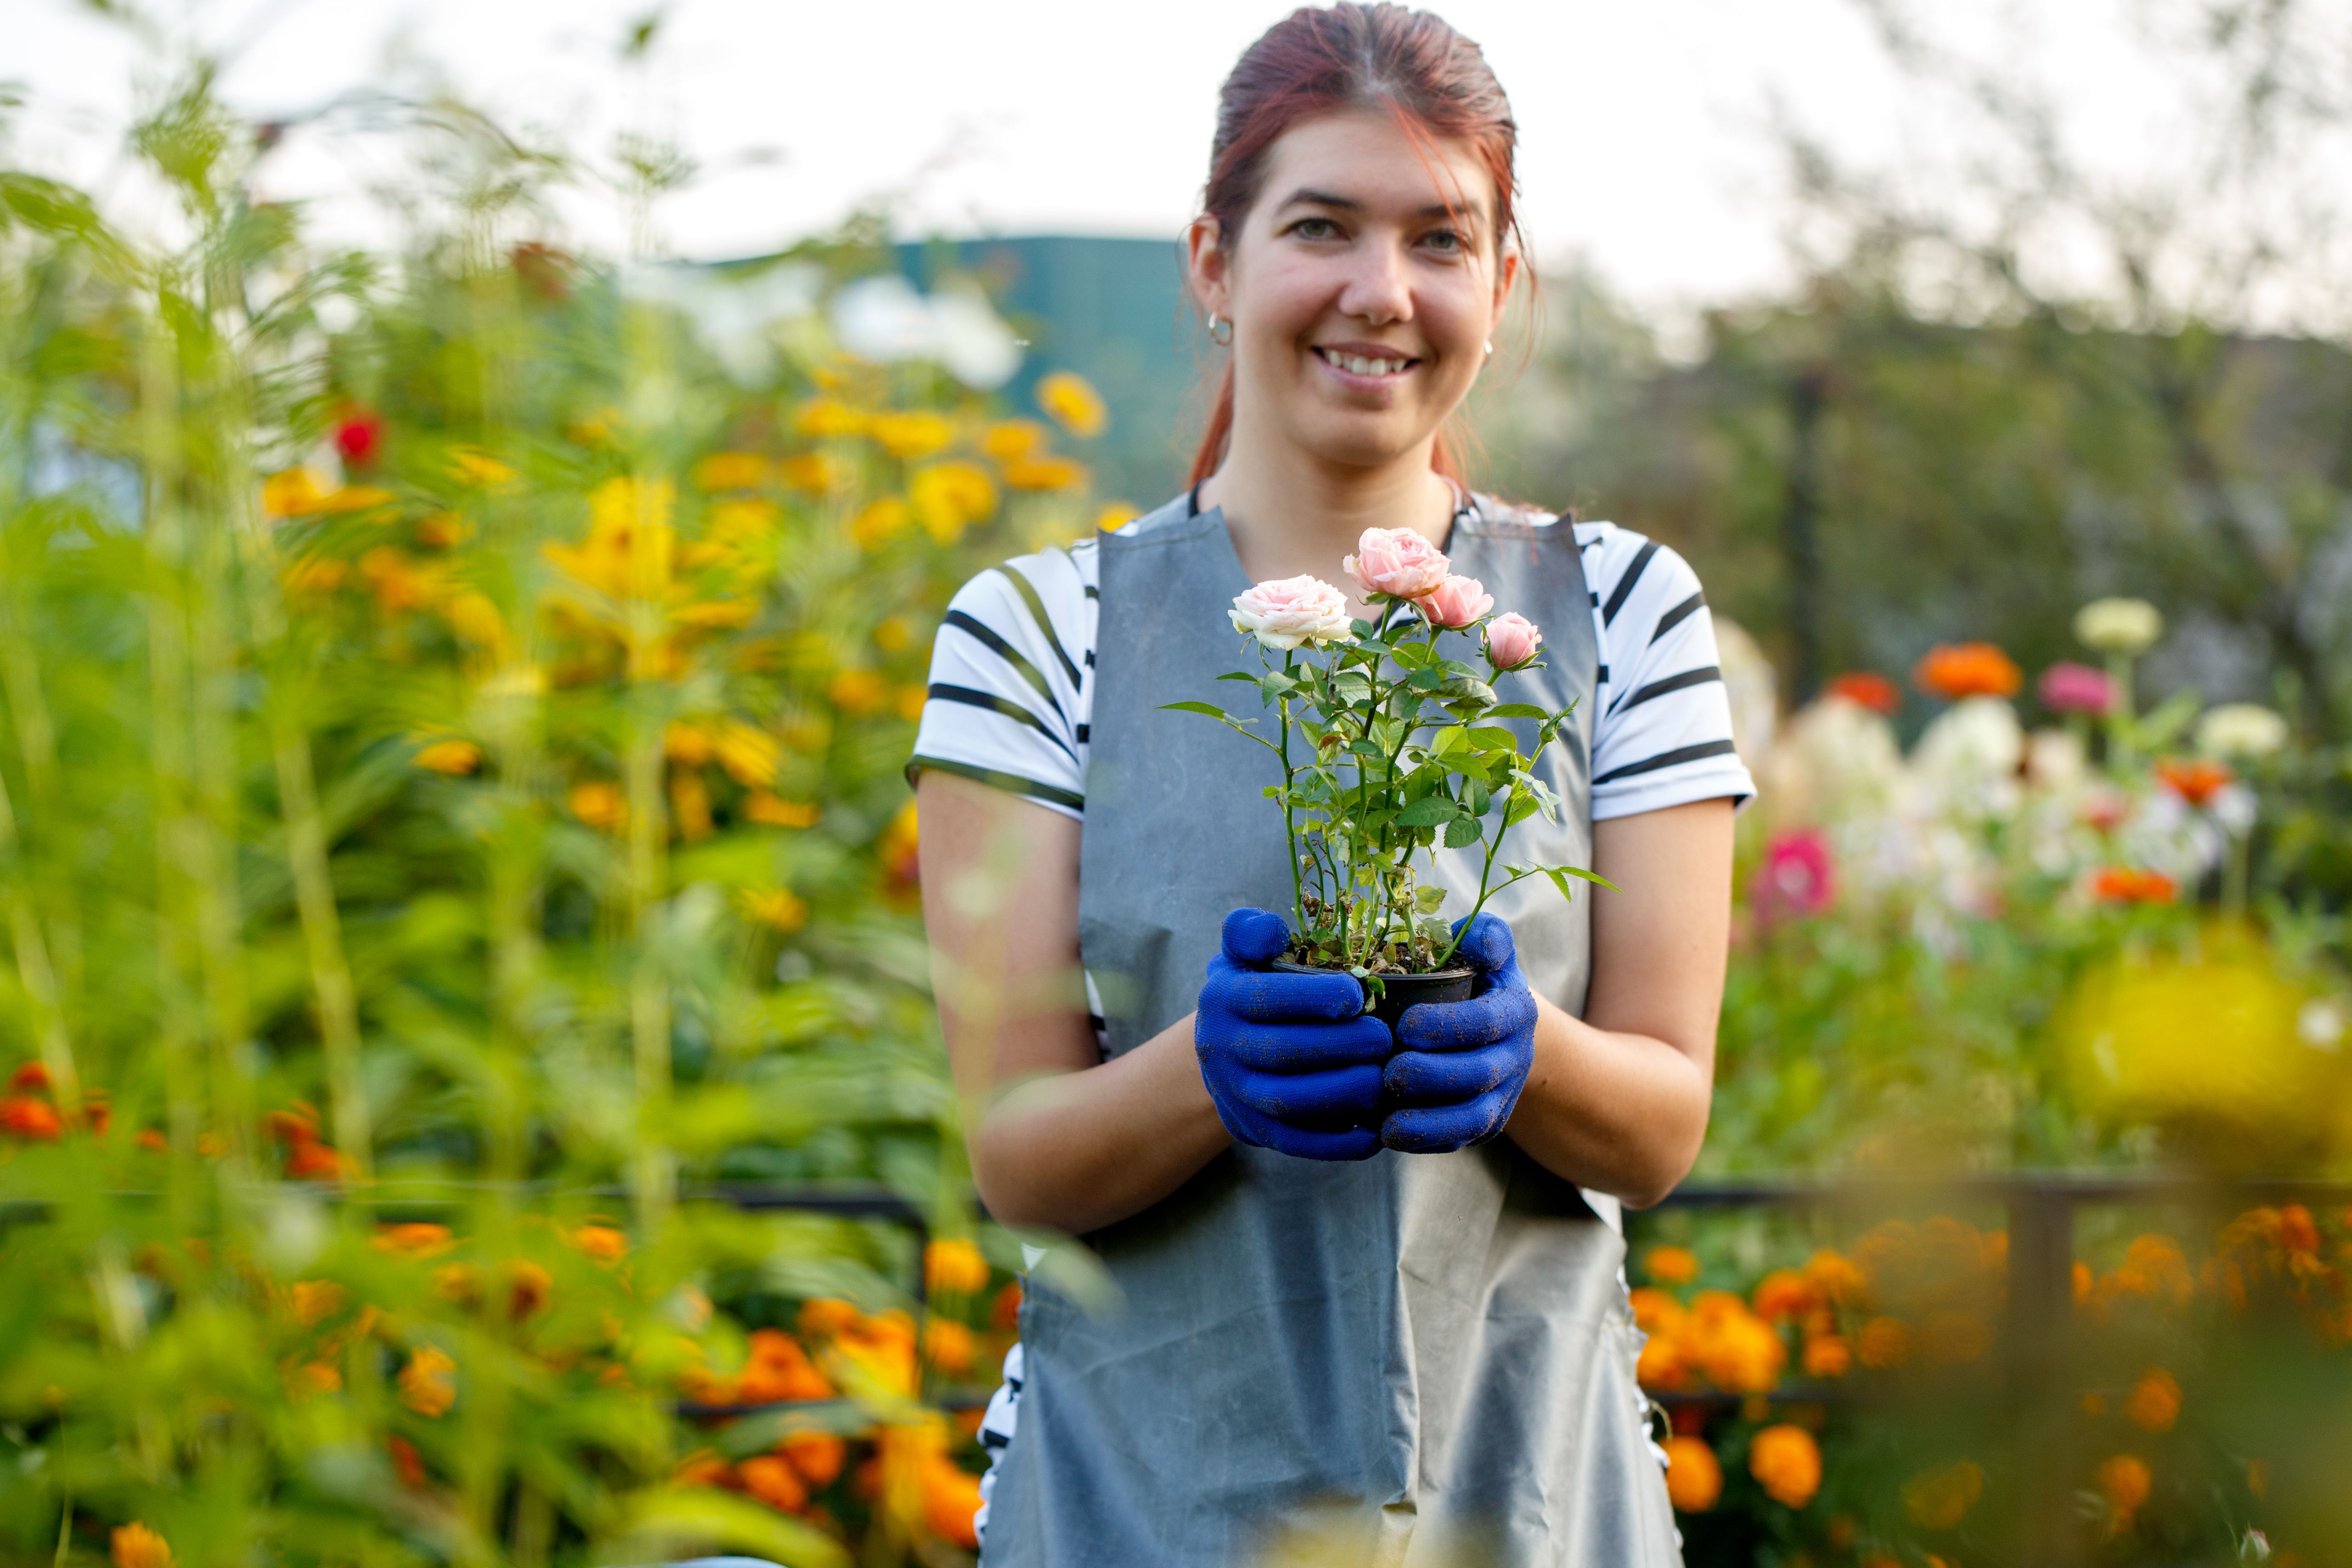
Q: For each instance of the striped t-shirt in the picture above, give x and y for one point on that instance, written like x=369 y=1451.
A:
x=1013 y=687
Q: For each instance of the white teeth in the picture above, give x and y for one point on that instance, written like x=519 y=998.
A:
x=1357 y=365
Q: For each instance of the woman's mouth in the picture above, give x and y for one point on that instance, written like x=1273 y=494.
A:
x=1365 y=364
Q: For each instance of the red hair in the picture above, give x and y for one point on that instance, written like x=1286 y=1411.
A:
x=1318 y=61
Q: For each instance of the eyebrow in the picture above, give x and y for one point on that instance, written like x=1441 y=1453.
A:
x=1308 y=196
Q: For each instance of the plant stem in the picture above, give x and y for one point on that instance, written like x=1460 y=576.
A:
x=1289 y=818
x=1486 y=871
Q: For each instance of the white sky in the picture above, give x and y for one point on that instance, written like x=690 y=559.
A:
x=1646 y=143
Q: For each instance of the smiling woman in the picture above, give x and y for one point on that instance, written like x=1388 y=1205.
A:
x=1358 y=1267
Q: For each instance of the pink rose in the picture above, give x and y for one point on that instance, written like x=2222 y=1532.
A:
x=1396 y=562
x=1512 y=640
x=1456 y=601
x=1284 y=613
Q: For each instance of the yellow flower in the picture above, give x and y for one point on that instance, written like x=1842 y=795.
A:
x=315 y=1300
x=1013 y=440
x=1043 y=473
x=948 y=497
x=738 y=521
x=910 y=701
x=607 y=559
x=913 y=435
x=774 y=907
x=1694 y=1475
x=599 y=804
x=593 y=429
x=353 y=499
x=292 y=492
x=474 y=466
x=442 y=531
x=689 y=806
x=1787 y=1460
x=879 y=522
x=816 y=471
x=1115 y=516
x=729 y=471
x=716 y=613
x=772 y=811
x=1939 y=1500
x=1072 y=403
x=454 y=757
x=685 y=743
x=858 y=690
x=748 y=753
x=823 y=417
x=429 y=1384
x=1671 y=1265
x=474 y=617
x=954 y=1265
x=136 y=1546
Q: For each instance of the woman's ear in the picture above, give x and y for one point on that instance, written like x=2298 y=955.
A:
x=1506 y=273
x=1206 y=265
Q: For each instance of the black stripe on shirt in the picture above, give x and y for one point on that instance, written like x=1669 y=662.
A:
x=1670 y=683
x=1624 y=588
x=1028 y=592
x=942 y=692
x=1006 y=652
x=1012 y=783
x=1678 y=614
x=1666 y=760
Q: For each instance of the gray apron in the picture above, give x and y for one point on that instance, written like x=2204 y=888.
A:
x=1430 y=1355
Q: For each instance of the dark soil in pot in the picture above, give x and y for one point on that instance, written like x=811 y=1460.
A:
x=1402 y=991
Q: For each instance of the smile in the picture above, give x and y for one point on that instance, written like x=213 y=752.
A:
x=1363 y=364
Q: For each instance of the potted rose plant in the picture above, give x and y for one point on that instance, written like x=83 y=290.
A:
x=1388 y=748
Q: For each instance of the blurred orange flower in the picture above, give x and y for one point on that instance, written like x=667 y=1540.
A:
x=454 y=757
x=1694 y=1475
x=1875 y=692
x=1783 y=1294
x=880 y=521
x=1013 y=439
x=415 y=1238
x=2123 y=885
x=1671 y=1265
x=818 y=1456
x=955 y=1264
x=1884 y=1342
x=824 y=417
x=2155 y=1401
x=772 y=1478
x=948 y=1345
x=2196 y=779
x=1043 y=473
x=948 y=497
x=1953 y=671
x=729 y=471
x=600 y=804
x=21 y=1116
x=1835 y=1276
x=2124 y=1481
x=776 y=907
x=772 y=811
x=1788 y=1463
x=915 y=434
x=1828 y=1355
x=133 y=1545
x=429 y=1384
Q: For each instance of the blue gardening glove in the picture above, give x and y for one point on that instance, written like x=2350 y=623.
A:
x=1291 y=1061
x=1459 y=1066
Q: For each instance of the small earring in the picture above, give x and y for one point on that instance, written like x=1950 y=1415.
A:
x=1221 y=331
x=1490 y=347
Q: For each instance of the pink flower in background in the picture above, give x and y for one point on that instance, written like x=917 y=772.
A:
x=1286 y=612
x=1512 y=640
x=1456 y=601
x=2066 y=687
x=1798 y=877
x=1396 y=562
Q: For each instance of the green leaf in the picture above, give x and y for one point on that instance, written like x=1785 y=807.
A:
x=1582 y=875
x=1429 y=811
x=1237 y=675
x=1522 y=808
x=1428 y=899
x=1493 y=738
x=1501 y=710
x=1424 y=680
x=1462 y=832
x=1212 y=710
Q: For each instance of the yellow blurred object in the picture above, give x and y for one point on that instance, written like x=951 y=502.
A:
x=1070 y=400
x=954 y=1265
x=1884 y=1342
x=353 y=498
x=892 y=635
x=729 y=471
x=689 y=805
x=685 y=743
x=429 y=1384
x=776 y=906
x=474 y=466
x=1694 y=1475
x=770 y=811
x=133 y=1545
x=398 y=582
x=948 y=497
x=1939 y=1500
x=748 y=753
x=443 y=530
x=1013 y=439
x=818 y=472
x=2210 y=1037
x=315 y=1301
x=880 y=521
x=454 y=757
x=824 y=417
x=858 y=690
x=611 y=558
x=291 y=493
x=473 y=616
x=910 y=701
x=318 y=574
x=1043 y=473
x=949 y=1346
x=600 y=804
x=910 y=436
x=1671 y=1265
x=1115 y=516
x=1787 y=1462
x=1828 y=1355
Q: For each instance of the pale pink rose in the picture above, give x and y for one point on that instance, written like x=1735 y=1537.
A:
x=1396 y=562
x=1293 y=610
x=1512 y=640
x=1456 y=601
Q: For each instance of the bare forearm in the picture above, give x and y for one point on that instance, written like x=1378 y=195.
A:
x=1077 y=1150
x=1619 y=1112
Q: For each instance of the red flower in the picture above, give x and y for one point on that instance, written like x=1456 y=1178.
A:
x=1956 y=670
x=1798 y=877
x=22 y=1116
x=1863 y=689
x=31 y=1077
x=2123 y=885
x=310 y=1160
x=358 y=436
x=2195 y=779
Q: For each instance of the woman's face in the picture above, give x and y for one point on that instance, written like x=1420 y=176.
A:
x=1363 y=288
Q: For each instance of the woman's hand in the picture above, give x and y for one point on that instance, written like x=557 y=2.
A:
x=1291 y=1061
x=1460 y=1066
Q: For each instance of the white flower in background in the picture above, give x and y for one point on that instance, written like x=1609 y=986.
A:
x=2321 y=1024
x=2234 y=807
x=2120 y=626
x=2245 y=731
x=884 y=319
x=1754 y=690
x=1835 y=763
x=734 y=313
x=2055 y=761
x=1967 y=759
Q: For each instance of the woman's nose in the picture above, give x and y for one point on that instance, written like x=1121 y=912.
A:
x=1377 y=288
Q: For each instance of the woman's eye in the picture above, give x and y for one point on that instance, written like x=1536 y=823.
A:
x=1443 y=240
x=1315 y=228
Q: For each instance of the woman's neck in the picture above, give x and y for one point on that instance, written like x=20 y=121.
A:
x=1290 y=513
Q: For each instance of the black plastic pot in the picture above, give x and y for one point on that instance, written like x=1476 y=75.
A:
x=1399 y=992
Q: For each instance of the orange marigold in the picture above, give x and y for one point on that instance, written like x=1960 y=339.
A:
x=2155 y=1401
x=772 y=1478
x=2196 y=779
x=948 y=1345
x=2124 y=884
x=1694 y=1475
x=406 y=1462
x=954 y=1265
x=133 y=1545
x=1875 y=692
x=429 y=1384
x=1956 y=670
x=1671 y=1265
x=1828 y=1355
x=1788 y=1463
x=1835 y=1276
x=1784 y=1293
x=22 y=1116
x=30 y=1078
x=416 y=1239
x=951 y=1502
x=2124 y=1482
x=818 y=1456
